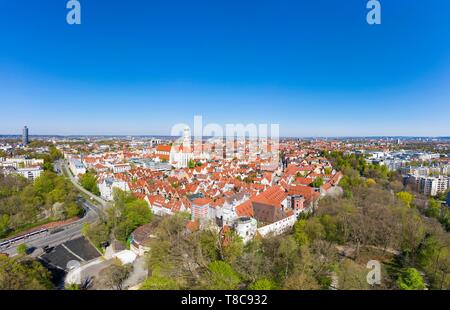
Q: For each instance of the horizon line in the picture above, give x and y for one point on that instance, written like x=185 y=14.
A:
x=287 y=136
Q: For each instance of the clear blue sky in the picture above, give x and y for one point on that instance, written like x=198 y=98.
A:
x=139 y=66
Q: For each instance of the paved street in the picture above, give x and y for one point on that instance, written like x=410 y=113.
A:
x=70 y=231
x=63 y=167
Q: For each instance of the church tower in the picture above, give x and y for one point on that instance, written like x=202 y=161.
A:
x=186 y=139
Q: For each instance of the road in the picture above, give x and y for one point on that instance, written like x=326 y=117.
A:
x=62 y=166
x=69 y=231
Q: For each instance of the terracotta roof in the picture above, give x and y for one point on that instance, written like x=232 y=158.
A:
x=245 y=209
x=308 y=192
x=272 y=196
x=201 y=201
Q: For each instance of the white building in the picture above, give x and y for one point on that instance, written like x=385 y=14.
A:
x=430 y=186
x=118 y=168
x=442 y=184
x=279 y=227
x=21 y=162
x=106 y=187
x=76 y=166
x=180 y=155
x=31 y=173
x=246 y=228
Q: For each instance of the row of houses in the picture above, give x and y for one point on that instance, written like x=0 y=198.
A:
x=30 y=168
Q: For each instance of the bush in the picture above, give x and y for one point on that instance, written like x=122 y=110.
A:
x=89 y=182
x=410 y=279
x=262 y=285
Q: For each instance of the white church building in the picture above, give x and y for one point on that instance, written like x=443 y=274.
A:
x=181 y=154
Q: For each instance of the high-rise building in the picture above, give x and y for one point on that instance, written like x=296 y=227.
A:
x=25 y=139
x=430 y=186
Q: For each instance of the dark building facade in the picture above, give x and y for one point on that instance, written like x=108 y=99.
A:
x=25 y=139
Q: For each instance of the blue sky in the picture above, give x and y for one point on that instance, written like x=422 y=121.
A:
x=140 y=66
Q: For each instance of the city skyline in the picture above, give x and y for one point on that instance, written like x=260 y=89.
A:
x=26 y=129
x=317 y=72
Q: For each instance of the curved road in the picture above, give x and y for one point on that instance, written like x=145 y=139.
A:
x=67 y=232
x=67 y=173
x=61 y=235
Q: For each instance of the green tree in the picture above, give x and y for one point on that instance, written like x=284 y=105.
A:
x=4 y=224
x=314 y=229
x=410 y=279
x=208 y=244
x=89 y=182
x=191 y=164
x=233 y=248
x=133 y=214
x=97 y=233
x=370 y=182
x=72 y=209
x=351 y=276
x=158 y=282
x=286 y=253
x=330 y=227
x=159 y=259
x=45 y=183
x=22 y=249
x=221 y=276
x=18 y=274
x=300 y=280
x=300 y=234
x=328 y=170
x=55 y=154
x=263 y=285
x=73 y=287
x=318 y=182
x=48 y=166
x=434 y=208
x=406 y=198
x=434 y=258
x=115 y=275
x=24 y=203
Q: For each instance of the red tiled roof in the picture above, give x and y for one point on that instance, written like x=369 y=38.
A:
x=163 y=148
x=245 y=209
x=272 y=196
x=201 y=201
x=308 y=192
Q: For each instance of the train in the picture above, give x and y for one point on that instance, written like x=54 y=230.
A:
x=22 y=237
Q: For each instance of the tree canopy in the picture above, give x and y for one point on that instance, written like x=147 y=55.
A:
x=89 y=182
x=19 y=274
x=24 y=204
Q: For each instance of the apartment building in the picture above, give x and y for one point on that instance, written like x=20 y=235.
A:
x=76 y=166
x=430 y=186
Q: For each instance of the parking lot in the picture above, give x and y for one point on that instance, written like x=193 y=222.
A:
x=79 y=250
